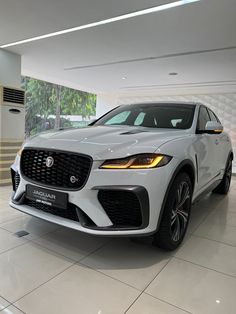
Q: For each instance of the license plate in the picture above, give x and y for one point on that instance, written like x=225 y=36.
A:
x=47 y=197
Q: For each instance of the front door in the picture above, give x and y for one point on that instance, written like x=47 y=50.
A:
x=206 y=148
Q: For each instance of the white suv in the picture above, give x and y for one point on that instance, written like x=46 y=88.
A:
x=134 y=171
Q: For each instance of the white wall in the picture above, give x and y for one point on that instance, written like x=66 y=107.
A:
x=10 y=69
x=105 y=103
x=221 y=99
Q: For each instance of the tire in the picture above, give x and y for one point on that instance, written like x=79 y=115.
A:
x=223 y=187
x=175 y=218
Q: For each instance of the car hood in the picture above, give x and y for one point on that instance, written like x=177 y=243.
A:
x=106 y=142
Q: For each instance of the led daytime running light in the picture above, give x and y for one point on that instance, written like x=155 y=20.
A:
x=137 y=162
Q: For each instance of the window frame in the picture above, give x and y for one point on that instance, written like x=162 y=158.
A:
x=217 y=119
x=199 y=110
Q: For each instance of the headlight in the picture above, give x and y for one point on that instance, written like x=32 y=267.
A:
x=142 y=161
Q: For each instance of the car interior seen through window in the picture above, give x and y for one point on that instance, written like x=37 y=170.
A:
x=151 y=116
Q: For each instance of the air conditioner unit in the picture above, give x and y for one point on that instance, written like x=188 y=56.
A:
x=12 y=128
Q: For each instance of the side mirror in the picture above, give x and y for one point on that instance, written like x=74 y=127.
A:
x=213 y=127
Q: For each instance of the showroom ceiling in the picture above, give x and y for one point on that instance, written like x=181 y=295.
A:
x=197 y=41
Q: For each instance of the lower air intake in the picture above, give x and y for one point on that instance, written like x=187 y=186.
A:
x=69 y=213
x=122 y=207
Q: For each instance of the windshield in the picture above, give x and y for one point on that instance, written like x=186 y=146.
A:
x=168 y=116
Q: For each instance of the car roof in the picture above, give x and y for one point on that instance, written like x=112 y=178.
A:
x=176 y=103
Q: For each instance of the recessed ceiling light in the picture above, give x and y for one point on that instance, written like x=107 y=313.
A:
x=173 y=73
x=107 y=21
x=124 y=78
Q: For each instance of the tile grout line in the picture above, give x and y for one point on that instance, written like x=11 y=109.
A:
x=186 y=311
x=203 y=220
x=62 y=255
x=13 y=248
x=14 y=302
x=208 y=268
x=142 y=291
x=204 y=237
x=134 y=301
x=11 y=233
x=73 y=264
x=175 y=257
x=79 y=262
x=30 y=233
x=106 y=275
x=209 y=239
x=11 y=304
x=6 y=301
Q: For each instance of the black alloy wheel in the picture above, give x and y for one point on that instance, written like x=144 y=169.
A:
x=228 y=174
x=176 y=214
x=180 y=211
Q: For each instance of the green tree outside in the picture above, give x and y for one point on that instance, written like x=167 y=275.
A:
x=47 y=103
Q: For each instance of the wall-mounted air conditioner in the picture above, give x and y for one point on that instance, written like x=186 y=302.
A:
x=12 y=128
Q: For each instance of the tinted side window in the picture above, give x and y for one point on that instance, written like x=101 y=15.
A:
x=203 y=118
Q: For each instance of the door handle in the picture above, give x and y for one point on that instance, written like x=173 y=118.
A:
x=217 y=141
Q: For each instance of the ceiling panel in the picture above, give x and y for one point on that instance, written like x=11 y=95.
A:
x=177 y=38
x=22 y=19
x=193 y=69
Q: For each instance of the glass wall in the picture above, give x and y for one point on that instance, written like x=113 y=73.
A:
x=51 y=106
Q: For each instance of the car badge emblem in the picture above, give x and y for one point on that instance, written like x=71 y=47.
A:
x=49 y=162
x=73 y=179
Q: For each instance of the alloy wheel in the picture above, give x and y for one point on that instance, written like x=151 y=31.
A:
x=180 y=212
x=228 y=174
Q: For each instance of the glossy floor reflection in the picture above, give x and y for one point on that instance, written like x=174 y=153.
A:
x=54 y=270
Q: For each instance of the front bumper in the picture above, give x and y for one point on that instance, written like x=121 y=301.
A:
x=149 y=186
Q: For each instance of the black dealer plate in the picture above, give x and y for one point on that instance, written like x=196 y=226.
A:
x=47 y=197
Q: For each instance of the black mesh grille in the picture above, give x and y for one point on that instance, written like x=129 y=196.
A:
x=122 y=207
x=15 y=179
x=65 y=166
x=69 y=213
x=13 y=95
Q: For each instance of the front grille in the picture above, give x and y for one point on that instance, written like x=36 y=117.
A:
x=66 y=165
x=69 y=213
x=122 y=207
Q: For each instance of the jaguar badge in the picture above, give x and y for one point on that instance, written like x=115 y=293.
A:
x=49 y=162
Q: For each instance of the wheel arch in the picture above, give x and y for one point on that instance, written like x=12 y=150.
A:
x=185 y=166
x=230 y=156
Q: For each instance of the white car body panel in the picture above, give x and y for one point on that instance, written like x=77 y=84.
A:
x=104 y=142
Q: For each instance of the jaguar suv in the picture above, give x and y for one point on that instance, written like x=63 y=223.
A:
x=133 y=172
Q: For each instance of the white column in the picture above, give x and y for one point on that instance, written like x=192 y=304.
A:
x=10 y=69
x=11 y=133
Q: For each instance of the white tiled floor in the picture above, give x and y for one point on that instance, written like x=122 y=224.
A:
x=55 y=270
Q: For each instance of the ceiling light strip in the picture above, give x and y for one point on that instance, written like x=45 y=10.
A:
x=103 y=22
